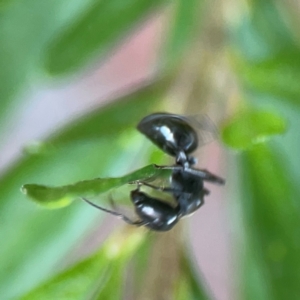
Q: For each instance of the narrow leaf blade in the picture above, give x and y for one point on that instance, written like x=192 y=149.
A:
x=250 y=127
x=98 y=274
x=98 y=29
x=271 y=213
x=59 y=196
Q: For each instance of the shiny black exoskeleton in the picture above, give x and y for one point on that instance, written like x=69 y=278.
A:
x=187 y=187
x=171 y=133
x=175 y=136
x=153 y=213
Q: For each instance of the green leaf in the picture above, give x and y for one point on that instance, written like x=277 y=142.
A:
x=271 y=214
x=60 y=196
x=3 y=4
x=262 y=31
x=268 y=60
x=250 y=127
x=98 y=29
x=276 y=76
x=183 y=31
x=25 y=29
x=189 y=284
x=115 y=283
x=36 y=239
x=269 y=21
x=115 y=117
x=140 y=262
x=100 y=275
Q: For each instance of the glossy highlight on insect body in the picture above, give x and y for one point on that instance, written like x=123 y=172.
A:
x=153 y=213
x=176 y=136
x=156 y=214
x=171 y=133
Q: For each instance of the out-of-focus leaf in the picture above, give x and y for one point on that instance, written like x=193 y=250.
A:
x=189 y=286
x=269 y=199
x=55 y=196
x=291 y=11
x=267 y=19
x=25 y=28
x=35 y=239
x=262 y=31
x=250 y=127
x=139 y=264
x=183 y=31
x=98 y=29
x=276 y=76
x=3 y=3
x=270 y=61
x=271 y=213
x=115 y=117
x=115 y=283
x=99 y=276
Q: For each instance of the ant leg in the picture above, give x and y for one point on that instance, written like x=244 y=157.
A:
x=124 y=218
x=181 y=158
x=206 y=191
x=206 y=175
x=192 y=160
x=163 y=189
x=135 y=223
x=176 y=167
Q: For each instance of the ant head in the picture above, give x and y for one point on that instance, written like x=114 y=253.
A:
x=137 y=197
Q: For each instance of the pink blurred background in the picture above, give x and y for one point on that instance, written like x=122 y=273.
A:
x=133 y=62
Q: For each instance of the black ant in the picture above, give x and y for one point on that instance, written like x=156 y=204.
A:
x=153 y=213
x=176 y=136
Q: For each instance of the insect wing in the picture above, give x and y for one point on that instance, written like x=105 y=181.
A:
x=204 y=126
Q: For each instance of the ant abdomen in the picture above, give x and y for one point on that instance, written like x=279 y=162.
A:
x=171 y=133
x=156 y=214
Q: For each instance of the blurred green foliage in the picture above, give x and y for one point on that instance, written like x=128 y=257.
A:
x=57 y=37
x=94 y=32
x=82 y=280
x=272 y=224
x=250 y=127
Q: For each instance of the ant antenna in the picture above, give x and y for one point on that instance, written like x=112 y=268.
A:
x=102 y=208
x=127 y=220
